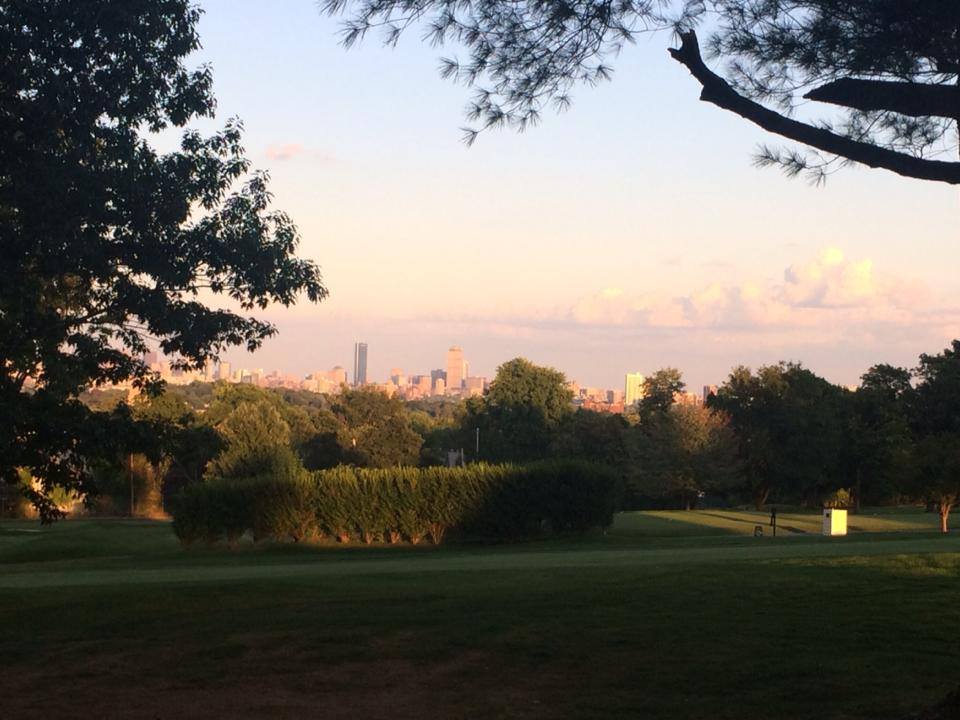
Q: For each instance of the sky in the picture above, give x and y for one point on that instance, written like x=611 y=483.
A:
x=629 y=233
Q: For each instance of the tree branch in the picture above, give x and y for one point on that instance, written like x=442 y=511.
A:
x=718 y=91
x=913 y=99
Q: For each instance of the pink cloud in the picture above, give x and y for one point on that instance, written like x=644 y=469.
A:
x=827 y=295
x=287 y=151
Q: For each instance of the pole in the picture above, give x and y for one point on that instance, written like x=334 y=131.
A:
x=478 y=443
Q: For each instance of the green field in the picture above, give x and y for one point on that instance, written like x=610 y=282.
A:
x=668 y=615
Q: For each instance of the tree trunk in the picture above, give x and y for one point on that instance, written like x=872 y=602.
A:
x=858 y=490
x=945 y=515
x=760 y=496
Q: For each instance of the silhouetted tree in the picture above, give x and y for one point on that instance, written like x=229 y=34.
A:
x=790 y=429
x=937 y=422
x=108 y=244
x=879 y=443
x=888 y=68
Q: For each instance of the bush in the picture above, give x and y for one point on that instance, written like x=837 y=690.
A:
x=838 y=499
x=488 y=502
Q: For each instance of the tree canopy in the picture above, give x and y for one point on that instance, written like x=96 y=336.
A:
x=684 y=453
x=790 y=428
x=660 y=390
x=109 y=247
x=520 y=413
x=884 y=72
x=937 y=423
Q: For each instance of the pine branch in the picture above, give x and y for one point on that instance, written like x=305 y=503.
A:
x=718 y=91
x=913 y=99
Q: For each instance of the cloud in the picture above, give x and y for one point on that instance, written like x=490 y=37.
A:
x=287 y=151
x=827 y=296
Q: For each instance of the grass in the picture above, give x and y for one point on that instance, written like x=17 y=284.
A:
x=670 y=615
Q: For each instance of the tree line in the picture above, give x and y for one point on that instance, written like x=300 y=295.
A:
x=778 y=434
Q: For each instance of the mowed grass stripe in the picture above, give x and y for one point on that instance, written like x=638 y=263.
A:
x=316 y=565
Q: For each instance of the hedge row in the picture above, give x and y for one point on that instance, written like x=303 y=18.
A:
x=402 y=504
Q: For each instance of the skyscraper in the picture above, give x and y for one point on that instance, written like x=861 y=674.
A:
x=633 y=389
x=455 y=369
x=359 y=364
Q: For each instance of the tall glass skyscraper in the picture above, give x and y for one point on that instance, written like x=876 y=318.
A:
x=359 y=364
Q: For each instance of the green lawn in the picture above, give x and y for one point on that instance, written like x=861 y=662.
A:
x=669 y=615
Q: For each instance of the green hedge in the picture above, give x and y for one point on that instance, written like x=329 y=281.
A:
x=402 y=504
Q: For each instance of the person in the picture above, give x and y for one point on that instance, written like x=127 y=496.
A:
x=773 y=519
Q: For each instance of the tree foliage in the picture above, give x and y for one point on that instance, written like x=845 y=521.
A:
x=108 y=245
x=520 y=413
x=685 y=453
x=790 y=429
x=879 y=442
x=660 y=391
x=374 y=429
x=937 y=423
x=887 y=70
x=256 y=442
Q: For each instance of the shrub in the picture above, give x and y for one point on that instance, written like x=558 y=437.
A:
x=838 y=499
x=489 y=502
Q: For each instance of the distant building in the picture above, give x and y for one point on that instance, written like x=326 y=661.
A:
x=474 y=386
x=359 y=364
x=338 y=376
x=456 y=370
x=708 y=390
x=436 y=375
x=223 y=372
x=687 y=398
x=633 y=390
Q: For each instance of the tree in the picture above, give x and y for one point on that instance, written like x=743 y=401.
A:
x=790 y=428
x=227 y=398
x=256 y=443
x=888 y=69
x=107 y=244
x=937 y=423
x=686 y=452
x=595 y=436
x=374 y=429
x=177 y=436
x=880 y=444
x=520 y=413
x=659 y=391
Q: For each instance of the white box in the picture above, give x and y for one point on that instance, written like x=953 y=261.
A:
x=834 y=521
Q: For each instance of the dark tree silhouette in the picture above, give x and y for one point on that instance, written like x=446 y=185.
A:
x=108 y=245
x=888 y=68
